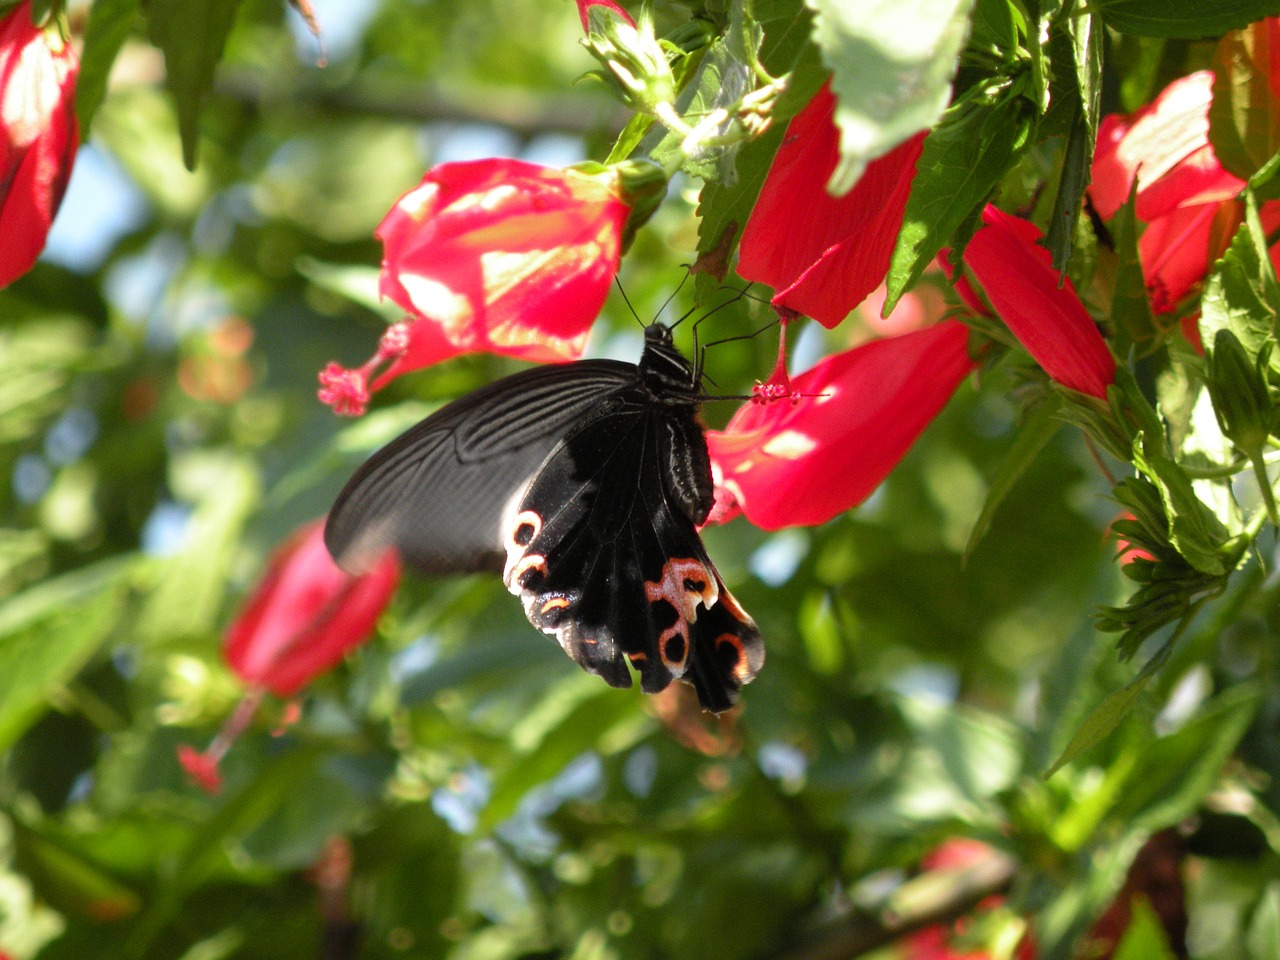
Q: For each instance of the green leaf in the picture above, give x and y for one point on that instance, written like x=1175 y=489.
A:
x=1242 y=294
x=1189 y=19
x=192 y=34
x=1131 y=316
x=1244 y=118
x=1173 y=774
x=68 y=880
x=962 y=162
x=1106 y=716
x=1144 y=938
x=892 y=62
x=1263 y=936
x=1031 y=437
x=48 y=632
x=723 y=208
x=109 y=25
x=1085 y=33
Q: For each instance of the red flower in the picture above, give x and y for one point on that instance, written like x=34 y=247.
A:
x=1184 y=195
x=822 y=254
x=585 y=5
x=854 y=416
x=500 y=256
x=37 y=135
x=1050 y=321
x=306 y=615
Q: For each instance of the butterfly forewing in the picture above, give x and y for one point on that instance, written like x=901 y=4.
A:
x=584 y=484
x=436 y=494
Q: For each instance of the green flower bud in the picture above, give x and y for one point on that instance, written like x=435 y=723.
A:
x=633 y=59
x=1238 y=388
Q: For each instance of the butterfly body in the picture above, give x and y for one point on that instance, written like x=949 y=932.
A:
x=584 y=485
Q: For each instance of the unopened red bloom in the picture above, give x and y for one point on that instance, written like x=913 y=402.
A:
x=306 y=615
x=584 y=6
x=38 y=135
x=1049 y=320
x=822 y=254
x=854 y=416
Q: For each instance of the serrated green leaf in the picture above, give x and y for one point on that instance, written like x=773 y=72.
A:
x=892 y=62
x=48 y=632
x=722 y=79
x=1244 y=118
x=192 y=34
x=962 y=161
x=1188 y=19
x=109 y=25
x=1085 y=33
x=1106 y=716
x=1032 y=437
x=723 y=208
x=1194 y=529
x=1242 y=294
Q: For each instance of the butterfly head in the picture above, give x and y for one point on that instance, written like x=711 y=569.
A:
x=663 y=368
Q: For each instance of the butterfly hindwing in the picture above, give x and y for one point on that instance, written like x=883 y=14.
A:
x=604 y=556
x=436 y=493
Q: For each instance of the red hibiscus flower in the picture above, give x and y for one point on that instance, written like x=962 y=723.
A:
x=803 y=461
x=499 y=256
x=306 y=615
x=302 y=619
x=1184 y=195
x=822 y=254
x=1050 y=321
x=38 y=136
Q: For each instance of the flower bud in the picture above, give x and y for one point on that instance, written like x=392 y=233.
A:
x=1238 y=388
x=635 y=63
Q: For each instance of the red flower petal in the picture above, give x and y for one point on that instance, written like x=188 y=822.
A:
x=585 y=5
x=306 y=615
x=1050 y=321
x=785 y=464
x=504 y=256
x=38 y=137
x=822 y=254
x=1168 y=138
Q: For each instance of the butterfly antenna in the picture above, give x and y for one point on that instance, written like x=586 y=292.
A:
x=627 y=300
x=667 y=302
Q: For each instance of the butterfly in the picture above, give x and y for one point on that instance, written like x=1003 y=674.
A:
x=584 y=484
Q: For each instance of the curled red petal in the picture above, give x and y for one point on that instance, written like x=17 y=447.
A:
x=802 y=463
x=1049 y=320
x=822 y=254
x=306 y=615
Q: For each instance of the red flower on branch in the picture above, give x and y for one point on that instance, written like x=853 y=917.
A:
x=822 y=254
x=1184 y=196
x=303 y=618
x=497 y=256
x=38 y=136
x=853 y=417
x=1048 y=319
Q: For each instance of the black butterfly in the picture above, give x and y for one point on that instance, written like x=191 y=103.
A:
x=584 y=484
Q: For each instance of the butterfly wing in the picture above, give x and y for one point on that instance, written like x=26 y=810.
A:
x=438 y=492
x=604 y=555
